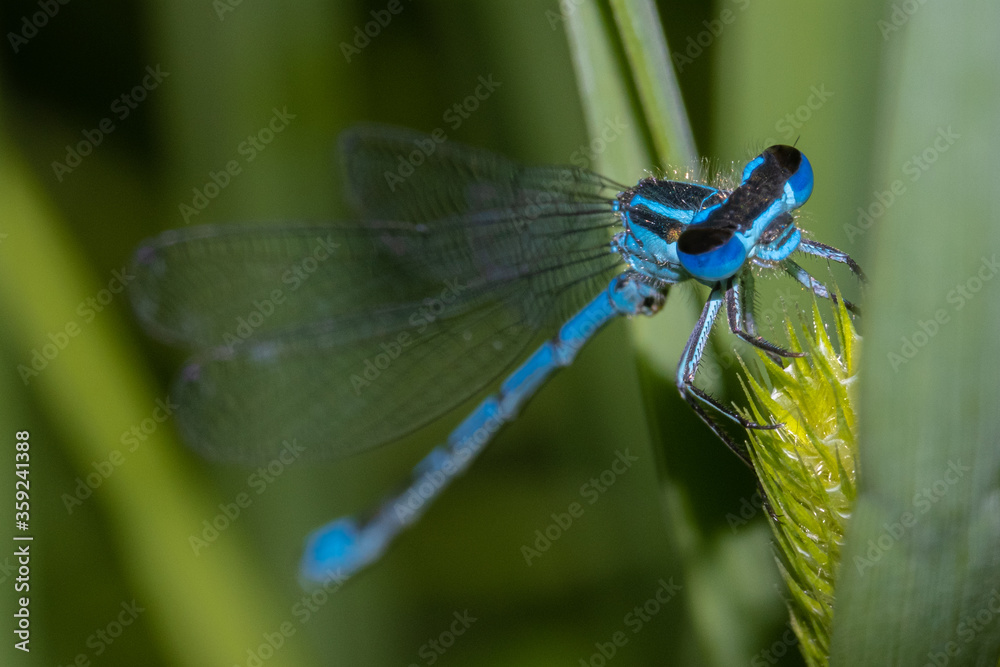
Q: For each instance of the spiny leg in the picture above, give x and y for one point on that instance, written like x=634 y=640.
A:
x=745 y=285
x=737 y=448
x=749 y=295
x=688 y=368
x=818 y=288
x=742 y=325
x=829 y=252
x=765 y=502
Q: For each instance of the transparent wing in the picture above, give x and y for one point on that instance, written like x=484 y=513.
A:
x=398 y=174
x=347 y=336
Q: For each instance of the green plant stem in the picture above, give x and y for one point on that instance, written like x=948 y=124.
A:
x=646 y=48
x=204 y=607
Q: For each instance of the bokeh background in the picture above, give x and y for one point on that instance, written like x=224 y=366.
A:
x=752 y=74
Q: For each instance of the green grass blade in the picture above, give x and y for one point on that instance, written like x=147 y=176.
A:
x=721 y=576
x=920 y=579
x=646 y=48
x=604 y=84
x=205 y=609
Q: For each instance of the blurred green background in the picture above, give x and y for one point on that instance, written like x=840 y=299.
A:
x=752 y=74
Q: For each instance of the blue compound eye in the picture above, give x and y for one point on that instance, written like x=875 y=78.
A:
x=710 y=254
x=792 y=161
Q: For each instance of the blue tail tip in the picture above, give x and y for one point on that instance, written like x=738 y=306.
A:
x=331 y=550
